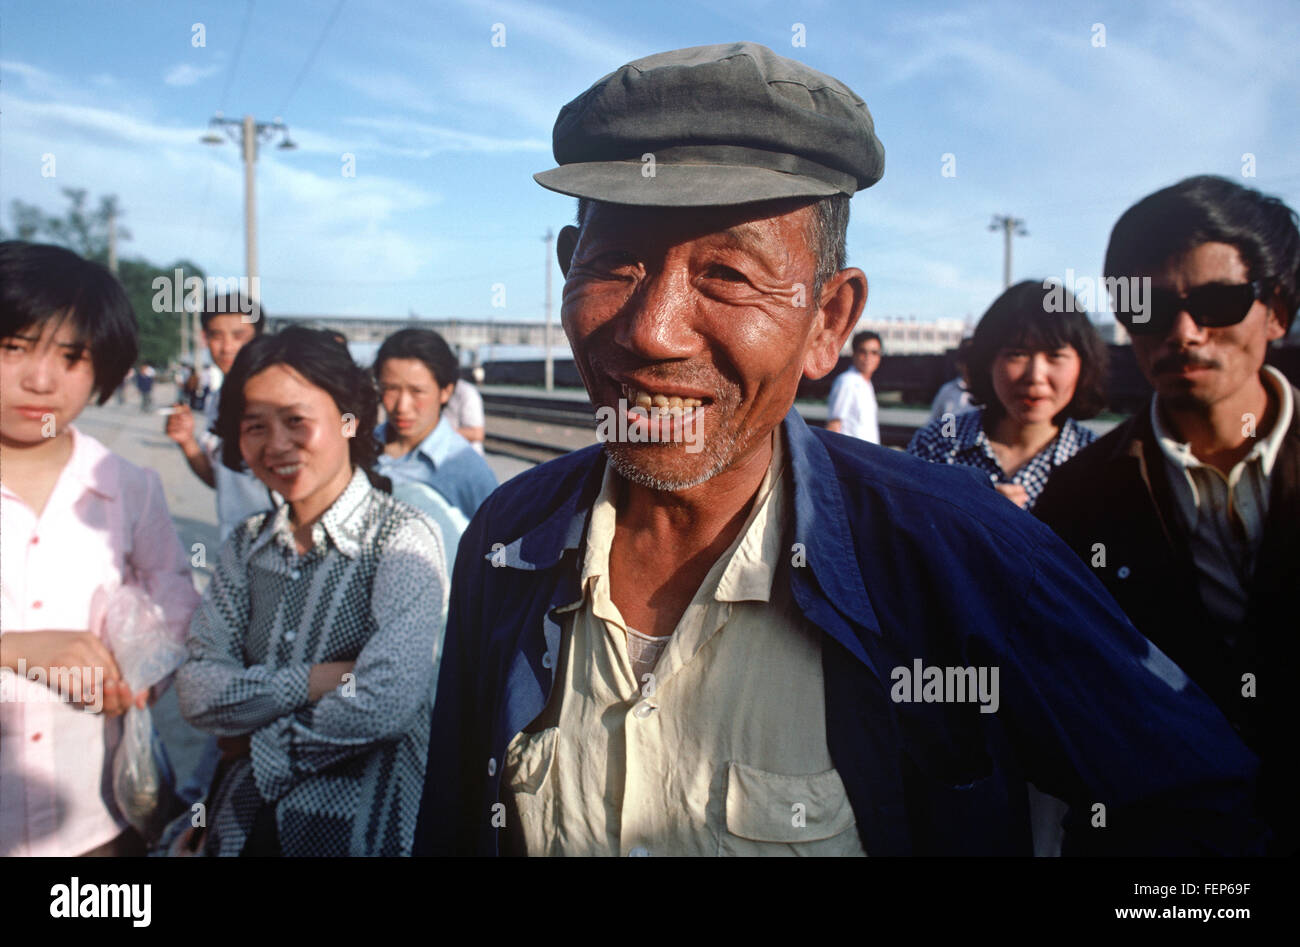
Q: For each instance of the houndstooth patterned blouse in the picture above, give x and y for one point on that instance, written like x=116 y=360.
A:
x=345 y=773
x=961 y=440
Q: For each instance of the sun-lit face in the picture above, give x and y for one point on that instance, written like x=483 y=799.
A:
x=411 y=397
x=294 y=439
x=866 y=358
x=1035 y=386
x=1197 y=366
x=46 y=379
x=710 y=305
x=225 y=336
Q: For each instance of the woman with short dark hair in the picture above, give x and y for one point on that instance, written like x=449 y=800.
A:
x=1036 y=367
x=314 y=653
x=75 y=519
x=417 y=372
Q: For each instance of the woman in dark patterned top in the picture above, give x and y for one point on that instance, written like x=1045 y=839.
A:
x=1036 y=367
x=313 y=654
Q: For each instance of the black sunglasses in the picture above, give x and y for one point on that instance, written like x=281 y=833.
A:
x=1213 y=306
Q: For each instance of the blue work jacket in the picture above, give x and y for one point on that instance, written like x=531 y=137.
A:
x=894 y=560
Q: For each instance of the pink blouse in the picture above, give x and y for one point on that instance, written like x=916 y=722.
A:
x=106 y=522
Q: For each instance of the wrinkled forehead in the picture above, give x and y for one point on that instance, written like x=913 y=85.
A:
x=783 y=221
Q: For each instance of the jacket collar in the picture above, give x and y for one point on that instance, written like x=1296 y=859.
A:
x=1141 y=431
x=545 y=544
x=1265 y=450
x=820 y=526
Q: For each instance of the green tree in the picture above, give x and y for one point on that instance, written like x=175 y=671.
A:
x=85 y=231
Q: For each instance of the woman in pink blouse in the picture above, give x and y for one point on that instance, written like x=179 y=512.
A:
x=74 y=517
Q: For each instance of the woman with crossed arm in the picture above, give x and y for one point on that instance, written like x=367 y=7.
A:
x=313 y=654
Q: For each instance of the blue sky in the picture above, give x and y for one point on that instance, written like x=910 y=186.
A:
x=446 y=130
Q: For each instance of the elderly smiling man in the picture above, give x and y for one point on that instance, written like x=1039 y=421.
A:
x=765 y=639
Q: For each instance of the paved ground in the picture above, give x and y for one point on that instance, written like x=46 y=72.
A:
x=139 y=438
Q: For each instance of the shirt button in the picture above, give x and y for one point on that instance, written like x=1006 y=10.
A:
x=35 y=540
x=295 y=574
x=290 y=635
x=638 y=852
x=644 y=709
x=35 y=737
x=36 y=604
x=492 y=766
x=547 y=660
x=1122 y=572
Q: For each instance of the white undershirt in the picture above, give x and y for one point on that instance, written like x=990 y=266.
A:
x=644 y=651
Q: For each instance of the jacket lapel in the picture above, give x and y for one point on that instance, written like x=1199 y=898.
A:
x=832 y=596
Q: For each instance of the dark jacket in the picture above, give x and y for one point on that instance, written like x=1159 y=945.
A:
x=1117 y=493
x=904 y=560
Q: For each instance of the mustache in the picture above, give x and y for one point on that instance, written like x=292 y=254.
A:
x=1180 y=360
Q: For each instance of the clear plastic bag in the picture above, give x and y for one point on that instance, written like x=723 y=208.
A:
x=135 y=631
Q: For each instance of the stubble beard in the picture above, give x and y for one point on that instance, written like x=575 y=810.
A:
x=717 y=454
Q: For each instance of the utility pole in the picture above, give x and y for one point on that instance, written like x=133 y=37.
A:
x=249 y=141
x=550 y=364
x=1009 y=226
x=185 y=336
x=112 y=238
x=247 y=133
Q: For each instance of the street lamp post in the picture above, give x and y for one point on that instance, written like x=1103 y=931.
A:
x=1009 y=226
x=247 y=133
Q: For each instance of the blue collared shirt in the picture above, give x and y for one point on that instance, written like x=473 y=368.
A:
x=896 y=561
x=444 y=461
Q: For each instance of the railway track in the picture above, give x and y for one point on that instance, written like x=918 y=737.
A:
x=574 y=412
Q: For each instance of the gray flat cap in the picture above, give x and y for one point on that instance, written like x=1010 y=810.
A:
x=712 y=126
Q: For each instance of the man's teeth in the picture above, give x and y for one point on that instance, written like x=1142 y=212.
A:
x=673 y=405
x=287 y=471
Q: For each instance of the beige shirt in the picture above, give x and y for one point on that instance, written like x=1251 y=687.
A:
x=722 y=751
x=1225 y=516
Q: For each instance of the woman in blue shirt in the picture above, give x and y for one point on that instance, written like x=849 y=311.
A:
x=416 y=372
x=1036 y=368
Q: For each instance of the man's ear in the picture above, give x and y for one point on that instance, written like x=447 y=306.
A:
x=565 y=244
x=1277 y=325
x=843 y=298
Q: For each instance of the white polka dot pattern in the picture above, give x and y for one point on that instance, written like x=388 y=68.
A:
x=344 y=773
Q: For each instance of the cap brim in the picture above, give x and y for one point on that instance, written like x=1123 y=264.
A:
x=678 y=185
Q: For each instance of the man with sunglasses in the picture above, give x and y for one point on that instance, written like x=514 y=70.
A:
x=1189 y=512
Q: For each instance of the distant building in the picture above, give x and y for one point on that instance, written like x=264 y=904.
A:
x=908 y=335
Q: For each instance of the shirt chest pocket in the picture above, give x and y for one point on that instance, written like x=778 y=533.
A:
x=773 y=814
x=529 y=799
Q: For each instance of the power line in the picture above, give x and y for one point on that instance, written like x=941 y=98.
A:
x=311 y=57
x=230 y=76
x=239 y=48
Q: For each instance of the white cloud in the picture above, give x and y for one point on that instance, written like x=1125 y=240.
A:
x=34 y=79
x=327 y=243
x=422 y=140
x=571 y=36
x=185 y=74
